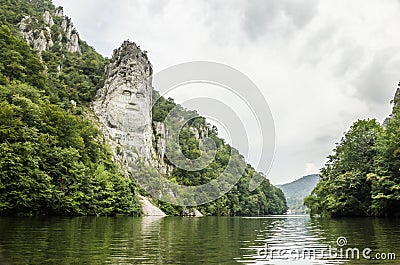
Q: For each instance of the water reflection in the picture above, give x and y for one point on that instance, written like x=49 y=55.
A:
x=303 y=240
x=176 y=240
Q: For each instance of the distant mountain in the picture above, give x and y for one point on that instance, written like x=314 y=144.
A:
x=296 y=191
x=301 y=187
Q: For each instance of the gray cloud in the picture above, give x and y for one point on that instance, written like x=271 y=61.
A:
x=378 y=80
x=351 y=58
x=320 y=64
x=259 y=16
x=264 y=17
x=301 y=12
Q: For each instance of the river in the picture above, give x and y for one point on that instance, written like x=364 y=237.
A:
x=207 y=240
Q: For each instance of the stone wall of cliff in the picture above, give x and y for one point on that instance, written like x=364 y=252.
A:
x=52 y=29
x=123 y=105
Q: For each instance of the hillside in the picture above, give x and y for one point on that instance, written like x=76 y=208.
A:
x=361 y=176
x=296 y=191
x=61 y=150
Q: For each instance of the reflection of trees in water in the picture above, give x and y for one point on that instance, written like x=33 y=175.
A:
x=124 y=240
x=177 y=240
x=378 y=234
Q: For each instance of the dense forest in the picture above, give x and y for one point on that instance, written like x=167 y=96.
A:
x=266 y=199
x=52 y=160
x=362 y=176
x=55 y=161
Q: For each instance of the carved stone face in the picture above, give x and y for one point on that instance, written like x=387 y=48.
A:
x=124 y=103
x=128 y=104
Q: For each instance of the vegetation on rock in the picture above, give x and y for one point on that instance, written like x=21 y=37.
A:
x=362 y=177
x=54 y=161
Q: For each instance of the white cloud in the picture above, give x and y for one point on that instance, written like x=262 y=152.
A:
x=320 y=64
x=311 y=168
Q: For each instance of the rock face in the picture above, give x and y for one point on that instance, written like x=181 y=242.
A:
x=124 y=108
x=396 y=106
x=149 y=209
x=43 y=38
x=192 y=213
x=396 y=99
x=124 y=104
x=39 y=39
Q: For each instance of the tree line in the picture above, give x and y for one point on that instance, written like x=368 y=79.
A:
x=362 y=176
x=54 y=161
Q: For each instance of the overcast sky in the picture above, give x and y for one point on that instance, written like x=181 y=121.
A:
x=321 y=65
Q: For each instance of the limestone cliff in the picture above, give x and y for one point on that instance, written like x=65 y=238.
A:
x=396 y=99
x=124 y=108
x=123 y=105
x=52 y=28
x=396 y=105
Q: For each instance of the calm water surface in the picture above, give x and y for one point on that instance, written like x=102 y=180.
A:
x=208 y=240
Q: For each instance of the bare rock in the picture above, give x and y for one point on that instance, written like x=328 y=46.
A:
x=124 y=104
x=48 y=19
x=40 y=38
x=150 y=209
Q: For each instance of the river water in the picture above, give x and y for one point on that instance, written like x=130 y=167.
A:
x=207 y=240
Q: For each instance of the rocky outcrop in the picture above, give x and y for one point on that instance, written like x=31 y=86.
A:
x=124 y=107
x=160 y=140
x=148 y=208
x=396 y=106
x=124 y=104
x=43 y=38
x=48 y=19
x=39 y=39
x=396 y=99
x=71 y=34
x=192 y=213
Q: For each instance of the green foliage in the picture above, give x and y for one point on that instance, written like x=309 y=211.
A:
x=386 y=176
x=266 y=199
x=362 y=177
x=13 y=11
x=70 y=76
x=17 y=62
x=162 y=107
x=344 y=189
x=52 y=160
x=74 y=76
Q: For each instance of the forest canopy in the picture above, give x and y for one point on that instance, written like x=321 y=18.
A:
x=53 y=158
x=362 y=176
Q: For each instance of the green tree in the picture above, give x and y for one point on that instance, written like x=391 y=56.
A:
x=386 y=177
x=344 y=188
